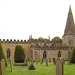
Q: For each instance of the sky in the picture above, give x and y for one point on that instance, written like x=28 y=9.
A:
x=41 y=18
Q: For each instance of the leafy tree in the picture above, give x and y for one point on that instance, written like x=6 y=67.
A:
x=73 y=56
x=2 y=56
x=41 y=38
x=19 y=54
x=56 y=38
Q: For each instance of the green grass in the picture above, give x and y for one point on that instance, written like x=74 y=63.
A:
x=40 y=69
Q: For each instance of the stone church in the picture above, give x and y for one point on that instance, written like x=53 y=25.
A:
x=38 y=49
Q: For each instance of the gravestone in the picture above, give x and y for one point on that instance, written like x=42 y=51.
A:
x=0 y=67
x=68 y=62
x=42 y=61
x=3 y=72
x=49 y=59
x=46 y=62
x=63 y=60
x=11 y=65
x=25 y=61
x=13 y=61
x=59 y=67
x=31 y=67
x=31 y=61
x=54 y=61
x=37 y=61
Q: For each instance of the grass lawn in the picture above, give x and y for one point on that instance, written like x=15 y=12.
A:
x=40 y=69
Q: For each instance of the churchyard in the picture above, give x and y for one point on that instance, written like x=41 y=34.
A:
x=21 y=66
x=40 y=69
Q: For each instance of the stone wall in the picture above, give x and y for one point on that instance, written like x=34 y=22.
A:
x=67 y=39
x=38 y=54
x=11 y=47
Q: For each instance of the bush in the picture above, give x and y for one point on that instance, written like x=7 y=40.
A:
x=2 y=56
x=19 y=54
x=73 y=56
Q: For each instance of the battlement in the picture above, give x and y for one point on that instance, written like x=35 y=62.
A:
x=45 y=41
x=12 y=41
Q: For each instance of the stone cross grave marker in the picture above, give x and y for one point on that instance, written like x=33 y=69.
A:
x=25 y=61
x=59 y=67
x=3 y=72
x=31 y=61
x=31 y=67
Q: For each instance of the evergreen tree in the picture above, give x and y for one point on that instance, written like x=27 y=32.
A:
x=2 y=56
x=19 y=54
x=73 y=56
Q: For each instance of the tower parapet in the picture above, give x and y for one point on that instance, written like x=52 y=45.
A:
x=13 y=41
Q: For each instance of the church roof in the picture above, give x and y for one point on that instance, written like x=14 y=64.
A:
x=70 y=28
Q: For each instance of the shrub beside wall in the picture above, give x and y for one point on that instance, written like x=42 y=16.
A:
x=73 y=56
x=2 y=56
x=19 y=54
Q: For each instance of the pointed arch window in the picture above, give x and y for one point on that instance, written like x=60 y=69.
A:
x=59 y=54
x=8 y=53
x=44 y=54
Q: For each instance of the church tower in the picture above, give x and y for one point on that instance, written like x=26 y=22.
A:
x=69 y=32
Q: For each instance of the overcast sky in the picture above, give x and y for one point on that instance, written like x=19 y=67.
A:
x=21 y=18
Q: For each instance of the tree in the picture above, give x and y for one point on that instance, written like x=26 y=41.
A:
x=2 y=56
x=73 y=56
x=56 y=38
x=19 y=54
x=41 y=38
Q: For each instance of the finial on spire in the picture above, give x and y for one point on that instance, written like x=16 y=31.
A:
x=69 y=3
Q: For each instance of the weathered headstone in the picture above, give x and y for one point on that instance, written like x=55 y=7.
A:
x=54 y=61
x=13 y=61
x=46 y=62
x=3 y=72
x=49 y=59
x=31 y=61
x=59 y=67
x=0 y=67
x=63 y=60
x=37 y=61
x=25 y=61
x=68 y=62
x=42 y=61
x=11 y=65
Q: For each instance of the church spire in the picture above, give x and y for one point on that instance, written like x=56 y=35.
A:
x=70 y=28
